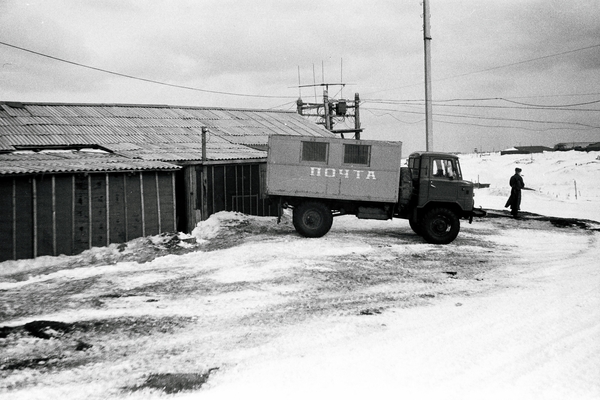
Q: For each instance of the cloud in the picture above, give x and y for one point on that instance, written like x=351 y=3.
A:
x=478 y=50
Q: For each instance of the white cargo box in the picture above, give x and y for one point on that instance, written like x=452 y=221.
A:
x=332 y=168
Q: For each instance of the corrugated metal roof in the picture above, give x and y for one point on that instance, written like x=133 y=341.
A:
x=216 y=150
x=61 y=162
x=130 y=130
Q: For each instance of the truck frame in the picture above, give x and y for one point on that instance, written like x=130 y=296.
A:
x=324 y=177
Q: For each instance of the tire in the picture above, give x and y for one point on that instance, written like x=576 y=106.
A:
x=312 y=219
x=440 y=226
x=416 y=226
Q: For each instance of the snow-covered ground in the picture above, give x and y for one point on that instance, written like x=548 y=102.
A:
x=511 y=309
x=564 y=184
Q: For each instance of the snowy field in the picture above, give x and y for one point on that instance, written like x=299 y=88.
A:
x=246 y=308
x=564 y=184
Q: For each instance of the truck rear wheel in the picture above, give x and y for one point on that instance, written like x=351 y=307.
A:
x=440 y=226
x=312 y=219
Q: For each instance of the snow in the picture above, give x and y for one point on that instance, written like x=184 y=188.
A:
x=565 y=184
x=279 y=314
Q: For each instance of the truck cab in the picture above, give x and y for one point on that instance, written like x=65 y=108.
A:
x=440 y=196
x=438 y=178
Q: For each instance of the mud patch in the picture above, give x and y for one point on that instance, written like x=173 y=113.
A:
x=133 y=326
x=47 y=329
x=31 y=363
x=571 y=223
x=174 y=383
x=575 y=223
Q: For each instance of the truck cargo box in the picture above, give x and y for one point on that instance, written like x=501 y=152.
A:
x=333 y=168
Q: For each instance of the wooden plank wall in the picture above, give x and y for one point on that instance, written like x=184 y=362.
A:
x=236 y=187
x=23 y=217
x=67 y=214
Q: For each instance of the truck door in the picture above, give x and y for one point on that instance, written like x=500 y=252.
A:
x=442 y=185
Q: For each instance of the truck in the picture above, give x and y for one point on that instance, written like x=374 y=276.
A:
x=320 y=178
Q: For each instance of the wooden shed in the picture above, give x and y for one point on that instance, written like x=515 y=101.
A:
x=222 y=171
x=67 y=202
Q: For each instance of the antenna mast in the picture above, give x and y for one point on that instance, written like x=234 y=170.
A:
x=331 y=110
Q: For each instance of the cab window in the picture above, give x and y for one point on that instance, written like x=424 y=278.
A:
x=414 y=164
x=445 y=169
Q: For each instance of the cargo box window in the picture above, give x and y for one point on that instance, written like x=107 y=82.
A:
x=314 y=151
x=357 y=154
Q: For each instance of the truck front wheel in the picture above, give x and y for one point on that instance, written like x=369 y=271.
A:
x=440 y=226
x=312 y=219
x=416 y=226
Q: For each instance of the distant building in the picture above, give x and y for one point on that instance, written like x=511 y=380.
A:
x=593 y=147
x=526 y=150
x=579 y=146
x=74 y=176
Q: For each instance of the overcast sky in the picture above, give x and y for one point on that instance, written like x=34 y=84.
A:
x=505 y=72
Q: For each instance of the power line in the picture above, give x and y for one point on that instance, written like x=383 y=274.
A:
x=521 y=62
x=476 y=124
x=524 y=107
x=471 y=116
x=508 y=126
x=420 y=101
x=391 y=116
x=143 y=79
x=547 y=108
x=550 y=106
x=290 y=104
x=495 y=68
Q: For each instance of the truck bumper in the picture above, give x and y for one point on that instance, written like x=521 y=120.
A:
x=477 y=212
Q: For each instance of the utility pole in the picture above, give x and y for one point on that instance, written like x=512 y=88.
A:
x=428 y=106
x=357 y=117
x=327 y=113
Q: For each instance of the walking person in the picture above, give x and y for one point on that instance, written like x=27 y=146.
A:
x=514 y=201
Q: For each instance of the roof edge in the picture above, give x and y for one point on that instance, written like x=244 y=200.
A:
x=40 y=103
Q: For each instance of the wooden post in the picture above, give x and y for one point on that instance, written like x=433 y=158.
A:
x=142 y=203
x=107 y=209
x=125 y=202
x=190 y=188
x=14 y=218
x=90 y=231
x=158 y=201
x=54 y=216
x=204 y=187
x=174 y=202
x=356 y=116
x=72 y=214
x=326 y=110
x=35 y=227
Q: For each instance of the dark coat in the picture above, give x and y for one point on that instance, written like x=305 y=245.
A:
x=514 y=201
